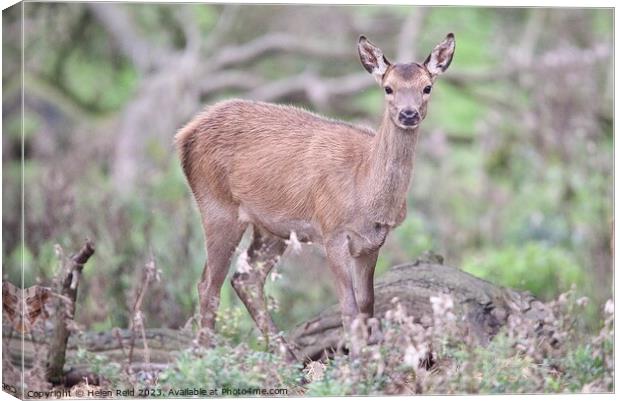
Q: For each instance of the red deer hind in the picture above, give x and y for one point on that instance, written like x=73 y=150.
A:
x=287 y=172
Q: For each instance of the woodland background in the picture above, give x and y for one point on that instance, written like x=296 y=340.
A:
x=513 y=174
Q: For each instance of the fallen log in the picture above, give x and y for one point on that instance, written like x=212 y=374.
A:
x=480 y=305
x=114 y=345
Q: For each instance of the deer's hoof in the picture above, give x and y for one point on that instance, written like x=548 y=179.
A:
x=205 y=338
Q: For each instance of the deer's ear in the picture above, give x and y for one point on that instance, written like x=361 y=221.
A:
x=440 y=58
x=372 y=58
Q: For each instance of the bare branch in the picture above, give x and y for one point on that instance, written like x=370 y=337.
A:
x=409 y=32
x=321 y=91
x=284 y=87
x=230 y=79
x=65 y=313
x=269 y=43
x=556 y=59
x=137 y=322
x=189 y=26
x=224 y=23
x=119 y=25
x=318 y=90
x=531 y=35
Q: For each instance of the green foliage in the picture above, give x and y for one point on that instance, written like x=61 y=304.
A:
x=230 y=368
x=412 y=238
x=465 y=111
x=20 y=256
x=582 y=367
x=110 y=373
x=496 y=369
x=473 y=28
x=339 y=378
x=101 y=88
x=369 y=101
x=28 y=126
x=543 y=270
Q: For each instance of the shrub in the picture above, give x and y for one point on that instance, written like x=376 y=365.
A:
x=525 y=357
x=231 y=368
x=544 y=271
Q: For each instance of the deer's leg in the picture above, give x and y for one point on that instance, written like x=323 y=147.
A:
x=340 y=261
x=249 y=281
x=223 y=233
x=364 y=272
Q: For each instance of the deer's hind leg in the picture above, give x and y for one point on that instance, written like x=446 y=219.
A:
x=248 y=281
x=223 y=233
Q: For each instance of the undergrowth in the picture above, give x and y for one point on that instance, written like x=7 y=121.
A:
x=439 y=356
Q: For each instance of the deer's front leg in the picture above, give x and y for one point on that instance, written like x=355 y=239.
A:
x=364 y=246
x=364 y=271
x=340 y=262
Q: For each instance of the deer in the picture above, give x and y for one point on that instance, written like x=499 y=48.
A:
x=290 y=174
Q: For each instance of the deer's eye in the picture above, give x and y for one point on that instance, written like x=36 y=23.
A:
x=388 y=90
x=427 y=89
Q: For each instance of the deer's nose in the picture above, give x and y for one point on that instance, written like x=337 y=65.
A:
x=409 y=117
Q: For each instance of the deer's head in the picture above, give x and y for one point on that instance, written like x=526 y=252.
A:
x=407 y=86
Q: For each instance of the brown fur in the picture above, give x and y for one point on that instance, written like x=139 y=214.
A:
x=322 y=165
x=284 y=170
x=409 y=71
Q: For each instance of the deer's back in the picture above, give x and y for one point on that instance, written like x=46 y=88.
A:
x=272 y=160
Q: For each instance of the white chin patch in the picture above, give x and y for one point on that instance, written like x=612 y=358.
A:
x=408 y=127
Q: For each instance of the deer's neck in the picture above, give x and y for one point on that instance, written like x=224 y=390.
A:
x=390 y=168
